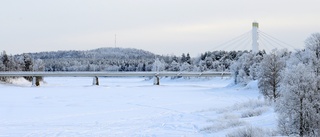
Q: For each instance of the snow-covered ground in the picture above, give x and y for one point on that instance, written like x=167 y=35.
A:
x=131 y=107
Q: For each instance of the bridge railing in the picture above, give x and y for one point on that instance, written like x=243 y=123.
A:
x=95 y=75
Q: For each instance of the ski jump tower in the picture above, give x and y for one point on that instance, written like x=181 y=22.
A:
x=255 y=37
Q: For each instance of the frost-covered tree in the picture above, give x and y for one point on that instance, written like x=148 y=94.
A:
x=297 y=115
x=269 y=74
x=186 y=67
x=313 y=50
x=183 y=58
x=174 y=66
x=243 y=67
x=202 y=66
x=141 y=67
x=188 y=58
x=1 y=66
x=28 y=62
x=5 y=60
x=158 y=65
x=12 y=64
x=209 y=63
x=254 y=68
x=38 y=65
x=299 y=104
x=9 y=64
x=240 y=69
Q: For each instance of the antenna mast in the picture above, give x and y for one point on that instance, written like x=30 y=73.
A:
x=115 y=40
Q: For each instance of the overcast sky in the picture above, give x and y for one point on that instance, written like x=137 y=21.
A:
x=160 y=26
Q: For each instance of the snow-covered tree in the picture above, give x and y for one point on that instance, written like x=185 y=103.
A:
x=243 y=67
x=269 y=74
x=174 y=66
x=313 y=50
x=38 y=65
x=202 y=66
x=254 y=68
x=297 y=115
x=141 y=67
x=9 y=63
x=186 y=67
x=188 y=58
x=209 y=63
x=299 y=104
x=5 y=60
x=183 y=58
x=158 y=65
x=28 y=62
x=2 y=67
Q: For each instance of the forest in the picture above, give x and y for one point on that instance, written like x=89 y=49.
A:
x=291 y=80
x=117 y=59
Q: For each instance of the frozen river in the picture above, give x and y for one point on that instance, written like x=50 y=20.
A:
x=128 y=107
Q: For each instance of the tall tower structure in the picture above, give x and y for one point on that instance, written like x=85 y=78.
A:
x=255 y=37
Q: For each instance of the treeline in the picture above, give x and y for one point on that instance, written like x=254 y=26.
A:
x=292 y=81
x=121 y=59
x=118 y=59
x=102 y=59
x=23 y=62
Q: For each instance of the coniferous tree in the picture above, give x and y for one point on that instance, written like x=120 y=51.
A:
x=1 y=66
x=188 y=58
x=5 y=60
x=183 y=58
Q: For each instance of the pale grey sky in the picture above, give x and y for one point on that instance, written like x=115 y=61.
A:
x=160 y=26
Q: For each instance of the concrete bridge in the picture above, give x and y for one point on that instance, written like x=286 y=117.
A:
x=96 y=75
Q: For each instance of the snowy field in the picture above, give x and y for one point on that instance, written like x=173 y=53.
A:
x=66 y=107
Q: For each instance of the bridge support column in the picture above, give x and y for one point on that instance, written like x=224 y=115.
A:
x=35 y=81
x=222 y=75
x=156 y=80
x=95 y=81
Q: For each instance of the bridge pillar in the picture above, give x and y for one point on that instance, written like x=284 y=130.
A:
x=35 y=81
x=156 y=80
x=95 y=81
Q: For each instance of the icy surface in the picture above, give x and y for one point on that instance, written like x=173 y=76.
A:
x=130 y=107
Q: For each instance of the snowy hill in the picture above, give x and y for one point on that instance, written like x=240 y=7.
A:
x=105 y=53
x=102 y=59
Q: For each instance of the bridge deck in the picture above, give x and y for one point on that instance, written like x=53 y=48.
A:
x=95 y=75
x=113 y=74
